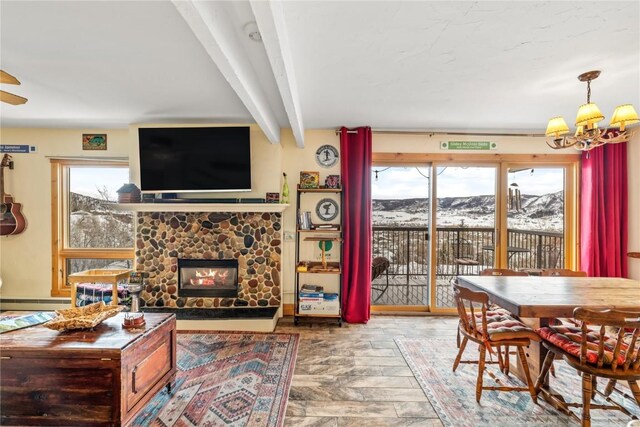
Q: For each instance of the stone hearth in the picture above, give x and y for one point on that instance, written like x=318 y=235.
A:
x=254 y=239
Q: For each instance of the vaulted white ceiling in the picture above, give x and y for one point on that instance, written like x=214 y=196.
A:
x=482 y=66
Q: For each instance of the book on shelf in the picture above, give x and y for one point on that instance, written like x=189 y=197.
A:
x=304 y=220
x=313 y=300
x=312 y=288
x=328 y=227
x=331 y=296
x=309 y=295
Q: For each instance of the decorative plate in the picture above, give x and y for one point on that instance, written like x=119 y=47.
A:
x=327 y=156
x=327 y=209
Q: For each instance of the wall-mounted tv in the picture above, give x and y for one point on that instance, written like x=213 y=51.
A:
x=190 y=159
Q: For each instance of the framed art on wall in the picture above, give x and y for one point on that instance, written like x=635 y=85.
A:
x=327 y=156
x=327 y=209
x=309 y=179
x=94 y=141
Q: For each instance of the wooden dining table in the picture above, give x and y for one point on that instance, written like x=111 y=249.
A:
x=537 y=300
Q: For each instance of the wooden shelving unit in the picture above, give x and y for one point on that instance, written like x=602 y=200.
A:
x=314 y=267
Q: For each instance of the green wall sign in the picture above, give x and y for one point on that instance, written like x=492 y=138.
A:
x=468 y=145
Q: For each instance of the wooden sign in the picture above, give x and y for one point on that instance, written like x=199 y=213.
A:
x=468 y=145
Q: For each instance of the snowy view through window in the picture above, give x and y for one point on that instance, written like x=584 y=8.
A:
x=93 y=223
x=464 y=226
x=400 y=198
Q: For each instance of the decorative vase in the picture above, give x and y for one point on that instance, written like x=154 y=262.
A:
x=285 y=190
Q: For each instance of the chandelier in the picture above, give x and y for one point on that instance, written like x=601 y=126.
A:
x=588 y=135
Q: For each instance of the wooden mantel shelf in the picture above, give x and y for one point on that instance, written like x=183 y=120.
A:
x=201 y=207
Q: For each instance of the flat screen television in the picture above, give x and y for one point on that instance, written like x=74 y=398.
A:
x=203 y=159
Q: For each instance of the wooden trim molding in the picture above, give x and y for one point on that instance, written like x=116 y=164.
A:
x=399 y=309
x=400 y=159
x=59 y=224
x=288 y=309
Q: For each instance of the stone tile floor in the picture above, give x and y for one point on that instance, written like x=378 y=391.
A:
x=356 y=376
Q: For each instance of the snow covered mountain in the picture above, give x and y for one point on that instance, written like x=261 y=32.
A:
x=543 y=212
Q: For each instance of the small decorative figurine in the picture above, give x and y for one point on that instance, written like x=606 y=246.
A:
x=285 y=190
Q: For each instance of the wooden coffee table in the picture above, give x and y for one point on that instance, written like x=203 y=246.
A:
x=100 y=377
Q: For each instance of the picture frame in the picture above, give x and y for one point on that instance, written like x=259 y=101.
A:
x=332 y=181
x=272 y=198
x=327 y=209
x=309 y=179
x=94 y=141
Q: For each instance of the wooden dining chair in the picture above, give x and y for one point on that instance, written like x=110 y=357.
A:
x=501 y=272
x=497 y=308
x=490 y=332
x=606 y=345
x=562 y=272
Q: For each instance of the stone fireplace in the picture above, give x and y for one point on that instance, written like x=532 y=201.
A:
x=171 y=245
x=208 y=277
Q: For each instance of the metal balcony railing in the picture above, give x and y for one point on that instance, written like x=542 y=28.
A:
x=459 y=251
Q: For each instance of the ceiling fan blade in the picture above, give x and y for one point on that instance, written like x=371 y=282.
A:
x=12 y=99
x=8 y=78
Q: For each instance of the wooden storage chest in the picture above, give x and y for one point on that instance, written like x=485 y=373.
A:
x=100 y=377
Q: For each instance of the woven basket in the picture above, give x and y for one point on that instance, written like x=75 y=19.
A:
x=86 y=317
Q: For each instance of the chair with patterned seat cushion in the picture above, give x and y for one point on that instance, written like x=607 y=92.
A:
x=496 y=308
x=605 y=345
x=493 y=307
x=561 y=272
x=490 y=332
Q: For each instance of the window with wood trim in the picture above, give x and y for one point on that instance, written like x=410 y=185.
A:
x=87 y=232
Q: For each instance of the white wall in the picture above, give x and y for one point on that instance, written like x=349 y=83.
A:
x=633 y=168
x=25 y=259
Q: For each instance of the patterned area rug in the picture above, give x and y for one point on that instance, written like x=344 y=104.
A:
x=226 y=379
x=452 y=394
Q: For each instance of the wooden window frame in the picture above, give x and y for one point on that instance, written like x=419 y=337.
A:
x=59 y=226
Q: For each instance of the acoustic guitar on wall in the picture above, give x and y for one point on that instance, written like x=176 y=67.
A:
x=11 y=220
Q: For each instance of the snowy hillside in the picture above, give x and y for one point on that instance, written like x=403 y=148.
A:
x=94 y=224
x=538 y=212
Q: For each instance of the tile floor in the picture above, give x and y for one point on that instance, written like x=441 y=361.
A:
x=356 y=376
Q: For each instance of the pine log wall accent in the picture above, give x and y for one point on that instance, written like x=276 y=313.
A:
x=253 y=238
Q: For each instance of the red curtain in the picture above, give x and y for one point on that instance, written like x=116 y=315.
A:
x=603 y=211
x=355 y=166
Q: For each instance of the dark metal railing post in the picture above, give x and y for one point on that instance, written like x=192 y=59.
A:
x=408 y=256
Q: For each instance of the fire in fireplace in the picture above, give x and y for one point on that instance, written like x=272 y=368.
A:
x=208 y=278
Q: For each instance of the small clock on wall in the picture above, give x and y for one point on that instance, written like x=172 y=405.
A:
x=327 y=156
x=327 y=209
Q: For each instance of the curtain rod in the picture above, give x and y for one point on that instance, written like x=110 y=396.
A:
x=431 y=133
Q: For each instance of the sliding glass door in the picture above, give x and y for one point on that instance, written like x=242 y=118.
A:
x=401 y=215
x=435 y=221
x=465 y=220
x=536 y=205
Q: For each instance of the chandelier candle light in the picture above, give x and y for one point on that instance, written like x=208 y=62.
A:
x=588 y=135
